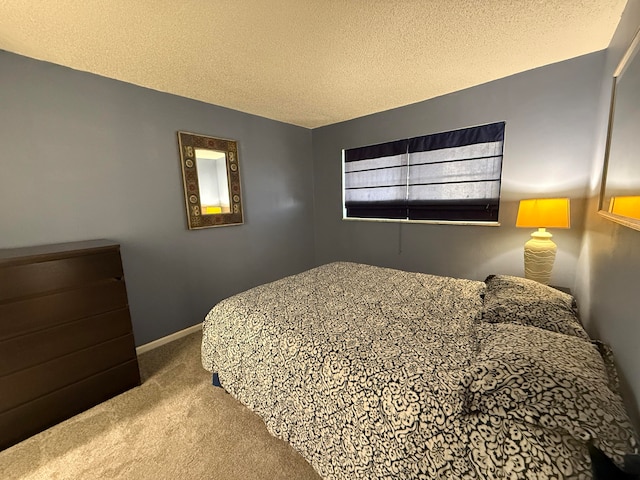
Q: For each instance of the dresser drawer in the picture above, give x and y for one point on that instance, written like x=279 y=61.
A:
x=39 y=278
x=43 y=412
x=25 y=385
x=26 y=316
x=26 y=351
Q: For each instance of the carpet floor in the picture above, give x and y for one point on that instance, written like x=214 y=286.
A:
x=176 y=425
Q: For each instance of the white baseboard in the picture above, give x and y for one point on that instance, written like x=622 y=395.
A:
x=169 y=338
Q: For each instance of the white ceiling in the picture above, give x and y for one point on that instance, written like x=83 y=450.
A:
x=307 y=62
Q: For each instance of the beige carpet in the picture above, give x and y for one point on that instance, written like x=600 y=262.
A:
x=175 y=426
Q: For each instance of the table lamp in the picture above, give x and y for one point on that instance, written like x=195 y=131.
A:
x=540 y=251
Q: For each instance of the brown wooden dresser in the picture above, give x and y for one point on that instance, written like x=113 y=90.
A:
x=66 y=341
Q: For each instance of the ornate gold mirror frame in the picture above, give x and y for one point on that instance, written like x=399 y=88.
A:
x=211 y=179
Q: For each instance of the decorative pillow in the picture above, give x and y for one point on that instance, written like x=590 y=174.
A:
x=527 y=302
x=548 y=380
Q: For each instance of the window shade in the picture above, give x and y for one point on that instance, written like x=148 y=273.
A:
x=376 y=180
x=453 y=176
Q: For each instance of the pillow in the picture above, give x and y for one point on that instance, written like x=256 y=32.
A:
x=527 y=302
x=549 y=381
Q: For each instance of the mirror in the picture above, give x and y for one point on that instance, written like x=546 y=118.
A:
x=213 y=186
x=620 y=190
x=211 y=179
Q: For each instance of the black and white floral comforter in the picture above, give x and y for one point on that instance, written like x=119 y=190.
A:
x=375 y=373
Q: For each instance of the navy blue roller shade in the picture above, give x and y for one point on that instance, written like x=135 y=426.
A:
x=447 y=176
x=388 y=149
x=493 y=132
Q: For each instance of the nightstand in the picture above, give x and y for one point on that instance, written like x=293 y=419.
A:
x=562 y=289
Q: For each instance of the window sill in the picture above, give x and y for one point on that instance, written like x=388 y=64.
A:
x=427 y=222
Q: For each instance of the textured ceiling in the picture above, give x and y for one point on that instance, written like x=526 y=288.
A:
x=307 y=62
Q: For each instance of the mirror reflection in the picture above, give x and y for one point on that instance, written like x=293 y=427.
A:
x=213 y=185
x=620 y=193
x=211 y=178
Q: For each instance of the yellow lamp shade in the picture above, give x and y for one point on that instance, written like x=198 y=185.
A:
x=627 y=206
x=544 y=213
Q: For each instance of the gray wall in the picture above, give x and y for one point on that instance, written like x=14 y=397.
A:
x=87 y=157
x=609 y=267
x=551 y=116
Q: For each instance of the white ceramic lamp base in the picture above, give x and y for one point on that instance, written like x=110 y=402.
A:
x=539 y=255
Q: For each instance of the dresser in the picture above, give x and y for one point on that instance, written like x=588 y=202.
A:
x=66 y=341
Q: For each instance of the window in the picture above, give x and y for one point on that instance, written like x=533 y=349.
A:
x=449 y=176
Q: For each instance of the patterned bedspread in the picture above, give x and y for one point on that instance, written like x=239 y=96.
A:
x=378 y=373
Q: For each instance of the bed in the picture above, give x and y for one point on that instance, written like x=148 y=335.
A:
x=372 y=372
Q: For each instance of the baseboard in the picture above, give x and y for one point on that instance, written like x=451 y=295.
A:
x=169 y=338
